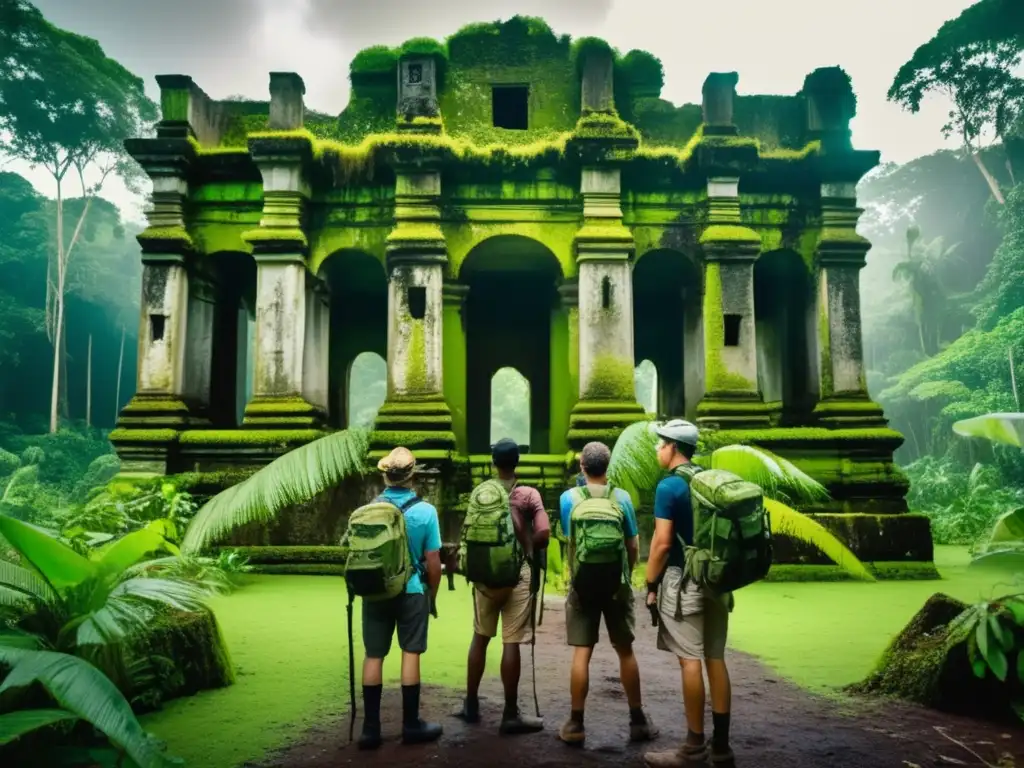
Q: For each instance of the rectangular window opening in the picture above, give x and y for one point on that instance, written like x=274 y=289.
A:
x=417 y=298
x=157 y=326
x=732 y=330
x=606 y=293
x=510 y=106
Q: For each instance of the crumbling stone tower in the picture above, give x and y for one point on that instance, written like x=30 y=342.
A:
x=512 y=198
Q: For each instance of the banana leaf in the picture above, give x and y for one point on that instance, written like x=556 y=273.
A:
x=789 y=522
x=297 y=476
x=56 y=562
x=778 y=478
x=1003 y=428
x=87 y=693
x=16 y=724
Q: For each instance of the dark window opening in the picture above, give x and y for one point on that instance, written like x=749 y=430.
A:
x=510 y=107
x=606 y=293
x=732 y=330
x=417 y=297
x=157 y=325
x=415 y=74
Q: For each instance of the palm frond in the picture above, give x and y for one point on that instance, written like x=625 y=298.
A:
x=23 y=477
x=176 y=593
x=14 y=725
x=1004 y=428
x=107 y=626
x=83 y=690
x=298 y=476
x=788 y=522
x=779 y=478
x=203 y=572
x=21 y=581
x=634 y=462
x=16 y=638
x=115 y=557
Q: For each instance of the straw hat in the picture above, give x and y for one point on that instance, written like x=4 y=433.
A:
x=398 y=466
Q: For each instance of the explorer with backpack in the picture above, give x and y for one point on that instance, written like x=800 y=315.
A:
x=712 y=536
x=599 y=523
x=394 y=568
x=502 y=554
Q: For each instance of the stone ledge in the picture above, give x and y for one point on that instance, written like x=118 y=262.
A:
x=873 y=538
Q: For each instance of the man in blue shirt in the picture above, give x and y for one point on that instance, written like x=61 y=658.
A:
x=691 y=625
x=582 y=619
x=408 y=612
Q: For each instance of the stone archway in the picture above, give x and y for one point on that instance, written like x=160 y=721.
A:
x=784 y=318
x=359 y=316
x=668 y=328
x=646 y=376
x=510 y=406
x=509 y=311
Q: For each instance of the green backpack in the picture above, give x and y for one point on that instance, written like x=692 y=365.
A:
x=599 y=565
x=490 y=553
x=732 y=539
x=378 y=565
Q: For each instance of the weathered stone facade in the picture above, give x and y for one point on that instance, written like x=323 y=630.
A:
x=510 y=198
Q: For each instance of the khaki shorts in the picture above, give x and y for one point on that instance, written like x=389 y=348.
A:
x=512 y=604
x=583 y=622
x=702 y=631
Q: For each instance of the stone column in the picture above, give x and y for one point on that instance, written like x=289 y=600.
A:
x=415 y=414
x=719 y=94
x=316 y=351
x=841 y=255
x=563 y=364
x=285 y=377
x=731 y=396
x=604 y=249
x=454 y=360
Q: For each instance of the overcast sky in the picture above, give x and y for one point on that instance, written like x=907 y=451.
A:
x=230 y=46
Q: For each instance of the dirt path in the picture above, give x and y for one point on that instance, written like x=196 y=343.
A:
x=775 y=723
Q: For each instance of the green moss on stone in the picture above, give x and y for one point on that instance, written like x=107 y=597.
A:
x=249 y=437
x=611 y=378
x=166 y=233
x=729 y=233
x=720 y=437
x=375 y=60
x=416 y=359
x=271 y=234
x=143 y=436
x=718 y=377
x=413 y=231
x=279 y=405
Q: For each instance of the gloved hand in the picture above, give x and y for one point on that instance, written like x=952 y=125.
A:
x=433 y=606
x=652 y=603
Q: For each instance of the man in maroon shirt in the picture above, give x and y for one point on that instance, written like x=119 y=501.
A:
x=512 y=604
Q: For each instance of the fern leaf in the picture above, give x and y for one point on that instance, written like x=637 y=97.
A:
x=788 y=522
x=297 y=476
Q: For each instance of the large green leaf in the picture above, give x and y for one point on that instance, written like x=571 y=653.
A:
x=788 y=521
x=778 y=478
x=634 y=462
x=60 y=565
x=80 y=688
x=1009 y=528
x=1004 y=428
x=16 y=724
x=117 y=556
x=297 y=476
x=19 y=584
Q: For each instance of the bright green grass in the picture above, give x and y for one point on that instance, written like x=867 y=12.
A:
x=826 y=634
x=287 y=638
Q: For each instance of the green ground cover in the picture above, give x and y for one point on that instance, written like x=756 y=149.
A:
x=287 y=638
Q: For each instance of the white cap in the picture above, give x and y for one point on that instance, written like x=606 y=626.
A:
x=679 y=431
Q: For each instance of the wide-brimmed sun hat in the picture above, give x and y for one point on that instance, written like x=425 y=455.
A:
x=398 y=466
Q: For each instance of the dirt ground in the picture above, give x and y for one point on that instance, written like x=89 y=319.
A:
x=774 y=725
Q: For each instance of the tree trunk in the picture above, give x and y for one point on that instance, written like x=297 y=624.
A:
x=989 y=179
x=88 y=385
x=59 y=321
x=120 y=373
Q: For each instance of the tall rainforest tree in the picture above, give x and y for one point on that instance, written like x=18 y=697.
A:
x=66 y=107
x=973 y=60
x=922 y=271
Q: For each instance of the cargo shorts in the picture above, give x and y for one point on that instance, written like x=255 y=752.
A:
x=703 y=627
x=583 y=620
x=512 y=604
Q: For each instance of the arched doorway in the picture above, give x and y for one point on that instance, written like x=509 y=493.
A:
x=646 y=377
x=512 y=283
x=785 y=326
x=668 y=329
x=367 y=387
x=359 y=324
x=234 y=331
x=510 y=406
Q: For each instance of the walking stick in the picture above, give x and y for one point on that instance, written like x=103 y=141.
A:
x=351 y=673
x=534 y=621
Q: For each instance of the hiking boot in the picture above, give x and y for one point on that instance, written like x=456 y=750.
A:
x=688 y=754
x=572 y=732
x=722 y=757
x=369 y=738
x=645 y=731
x=421 y=733
x=516 y=722
x=469 y=713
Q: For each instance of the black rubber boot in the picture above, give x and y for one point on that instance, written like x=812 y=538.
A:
x=370 y=736
x=421 y=732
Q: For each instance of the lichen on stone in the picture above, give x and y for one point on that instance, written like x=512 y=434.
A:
x=611 y=378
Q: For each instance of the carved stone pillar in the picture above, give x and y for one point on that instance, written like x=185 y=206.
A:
x=731 y=395
x=454 y=360
x=415 y=413
x=564 y=364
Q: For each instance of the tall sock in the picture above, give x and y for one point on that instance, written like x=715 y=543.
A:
x=511 y=706
x=371 y=704
x=720 y=738
x=411 y=705
x=637 y=716
x=576 y=715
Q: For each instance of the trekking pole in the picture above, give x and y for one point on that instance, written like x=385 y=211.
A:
x=351 y=674
x=533 y=633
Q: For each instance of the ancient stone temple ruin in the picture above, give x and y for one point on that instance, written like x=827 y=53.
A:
x=512 y=198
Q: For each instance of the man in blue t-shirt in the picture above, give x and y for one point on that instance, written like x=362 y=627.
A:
x=408 y=612
x=583 y=618
x=692 y=625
